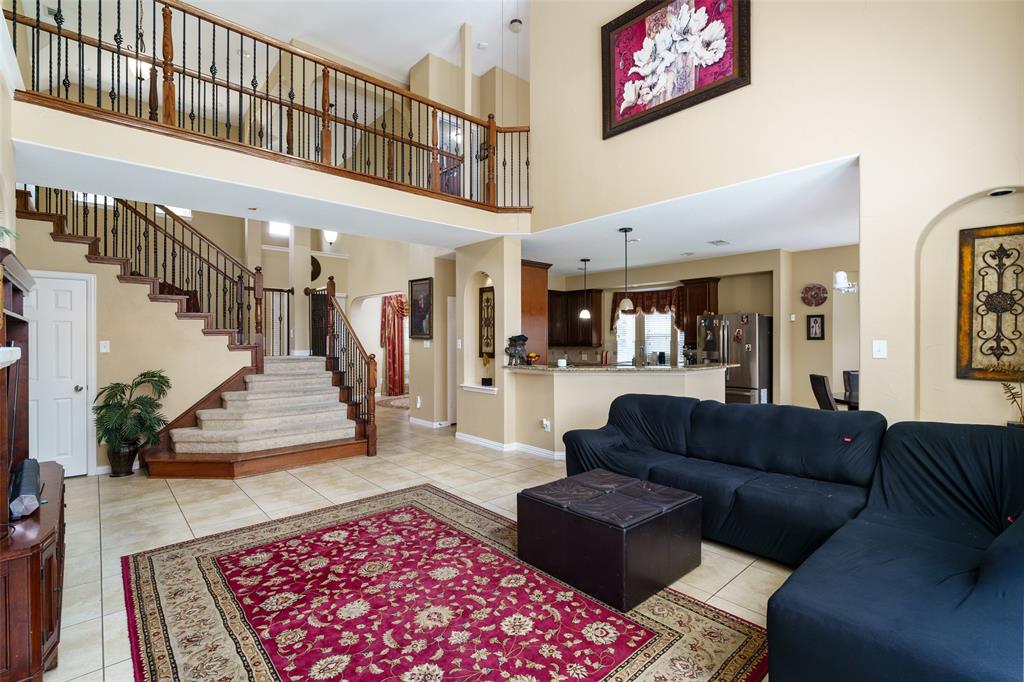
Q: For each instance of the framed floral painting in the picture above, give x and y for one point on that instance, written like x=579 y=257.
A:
x=666 y=55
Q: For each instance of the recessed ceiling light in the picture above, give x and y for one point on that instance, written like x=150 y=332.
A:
x=718 y=242
x=1001 y=192
x=686 y=254
x=253 y=208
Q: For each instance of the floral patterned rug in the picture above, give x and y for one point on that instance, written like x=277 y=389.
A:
x=411 y=586
x=398 y=402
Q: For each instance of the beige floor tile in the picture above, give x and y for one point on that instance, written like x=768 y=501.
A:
x=506 y=502
x=726 y=550
x=82 y=538
x=94 y=676
x=491 y=488
x=307 y=505
x=527 y=478
x=82 y=570
x=113 y=594
x=116 y=647
x=751 y=588
x=690 y=590
x=737 y=610
x=81 y=603
x=214 y=525
x=80 y=651
x=458 y=476
x=773 y=567
x=121 y=672
x=715 y=572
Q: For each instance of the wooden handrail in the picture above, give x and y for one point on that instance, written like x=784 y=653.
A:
x=187 y=226
x=317 y=59
x=156 y=226
x=154 y=62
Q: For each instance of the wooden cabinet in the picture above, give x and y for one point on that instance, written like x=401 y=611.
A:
x=700 y=296
x=31 y=585
x=565 y=328
x=534 y=306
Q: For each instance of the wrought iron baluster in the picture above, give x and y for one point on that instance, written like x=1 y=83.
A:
x=241 y=64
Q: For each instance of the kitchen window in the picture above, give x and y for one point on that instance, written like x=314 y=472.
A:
x=658 y=336
x=625 y=339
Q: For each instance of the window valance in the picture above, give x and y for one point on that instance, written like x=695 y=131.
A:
x=657 y=301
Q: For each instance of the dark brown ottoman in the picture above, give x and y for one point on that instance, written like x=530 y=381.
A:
x=616 y=538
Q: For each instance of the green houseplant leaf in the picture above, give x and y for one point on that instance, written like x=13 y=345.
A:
x=130 y=413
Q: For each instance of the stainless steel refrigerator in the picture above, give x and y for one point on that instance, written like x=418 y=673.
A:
x=743 y=339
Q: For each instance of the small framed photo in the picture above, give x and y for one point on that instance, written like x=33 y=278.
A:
x=815 y=327
x=421 y=308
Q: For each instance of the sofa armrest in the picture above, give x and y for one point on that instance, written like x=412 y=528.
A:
x=582 y=444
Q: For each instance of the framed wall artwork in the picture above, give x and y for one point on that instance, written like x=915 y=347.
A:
x=421 y=308
x=486 y=322
x=815 y=327
x=990 y=312
x=663 y=56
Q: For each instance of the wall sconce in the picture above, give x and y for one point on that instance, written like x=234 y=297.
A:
x=330 y=236
x=842 y=283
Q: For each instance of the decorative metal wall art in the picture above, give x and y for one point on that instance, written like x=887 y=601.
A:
x=990 y=338
x=487 y=322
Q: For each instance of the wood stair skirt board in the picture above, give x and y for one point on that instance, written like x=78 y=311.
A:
x=240 y=465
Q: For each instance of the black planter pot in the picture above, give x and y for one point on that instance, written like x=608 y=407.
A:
x=122 y=458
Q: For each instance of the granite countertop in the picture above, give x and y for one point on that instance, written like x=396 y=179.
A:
x=584 y=369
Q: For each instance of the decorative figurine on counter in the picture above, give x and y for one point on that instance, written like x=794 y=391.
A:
x=516 y=350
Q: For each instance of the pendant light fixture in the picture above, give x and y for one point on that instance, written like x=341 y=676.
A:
x=626 y=303
x=585 y=311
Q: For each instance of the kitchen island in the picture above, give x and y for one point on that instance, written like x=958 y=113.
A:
x=551 y=400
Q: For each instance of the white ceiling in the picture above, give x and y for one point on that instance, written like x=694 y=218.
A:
x=390 y=36
x=808 y=208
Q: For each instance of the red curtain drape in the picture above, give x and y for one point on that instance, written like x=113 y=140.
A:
x=393 y=310
x=657 y=301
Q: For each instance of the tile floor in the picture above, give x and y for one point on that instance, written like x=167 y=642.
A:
x=108 y=518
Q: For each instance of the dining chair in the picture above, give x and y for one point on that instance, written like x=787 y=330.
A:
x=823 y=392
x=851 y=380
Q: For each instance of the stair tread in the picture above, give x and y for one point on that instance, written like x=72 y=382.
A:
x=195 y=433
x=269 y=412
x=289 y=393
x=264 y=443
x=287 y=376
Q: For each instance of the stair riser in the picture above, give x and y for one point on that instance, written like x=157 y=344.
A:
x=287 y=385
x=290 y=366
x=264 y=400
x=276 y=378
x=264 y=443
x=311 y=421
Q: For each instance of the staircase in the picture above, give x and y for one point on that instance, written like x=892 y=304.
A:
x=279 y=412
x=293 y=403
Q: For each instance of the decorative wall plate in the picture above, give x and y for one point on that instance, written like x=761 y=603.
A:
x=814 y=295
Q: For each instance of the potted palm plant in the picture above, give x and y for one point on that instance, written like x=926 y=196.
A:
x=127 y=416
x=1014 y=394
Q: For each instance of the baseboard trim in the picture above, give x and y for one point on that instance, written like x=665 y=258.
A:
x=301 y=353
x=430 y=425
x=510 y=447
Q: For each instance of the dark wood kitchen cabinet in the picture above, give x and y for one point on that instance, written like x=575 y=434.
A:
x=700 y=296
x=565 y=328
x=534 y=306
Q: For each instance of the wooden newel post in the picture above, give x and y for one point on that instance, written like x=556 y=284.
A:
x=371 y=406
x=325 y=113
x=333 y=362
x=492 y=159
x=257 y=317
x=288 y=130
x=170 y=113
x=435 y=156
x=239 y=309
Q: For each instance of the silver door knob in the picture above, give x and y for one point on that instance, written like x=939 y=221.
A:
x=79 y=389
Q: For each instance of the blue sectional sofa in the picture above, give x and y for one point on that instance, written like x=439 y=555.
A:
x=909 y=563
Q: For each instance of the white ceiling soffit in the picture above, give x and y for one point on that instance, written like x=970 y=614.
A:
x=808 y=208
x=390 y=36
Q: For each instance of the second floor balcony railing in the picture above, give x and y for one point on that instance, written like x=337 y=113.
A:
x=170 y=65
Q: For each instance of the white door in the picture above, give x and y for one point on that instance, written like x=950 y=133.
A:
x=452 y=360
x=58 y=406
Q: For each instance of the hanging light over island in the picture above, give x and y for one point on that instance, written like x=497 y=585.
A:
x=585 y=311
x=626 y=303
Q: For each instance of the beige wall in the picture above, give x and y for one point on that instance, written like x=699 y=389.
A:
x=428 y=372
x=483 y=415
x=817 y=357
x=746 y=293
x=505 y=95
x=822 y=96
x=143 y=334
x=943 y=397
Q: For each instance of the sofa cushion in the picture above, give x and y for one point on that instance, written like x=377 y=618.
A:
x=965 y=479
x=627 y=459
x=841 y=447
x=656 y=421
x=785 y=518
x=716 y=483
x=880 y=602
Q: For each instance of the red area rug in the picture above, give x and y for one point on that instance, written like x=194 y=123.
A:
x=412 y=586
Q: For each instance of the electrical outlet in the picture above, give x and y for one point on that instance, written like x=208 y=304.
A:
x=426 y=345
x=419 y=402
x=458 y=344
x=546 y=424
x=880 y=349
x=583 y=356
x=104 y=346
